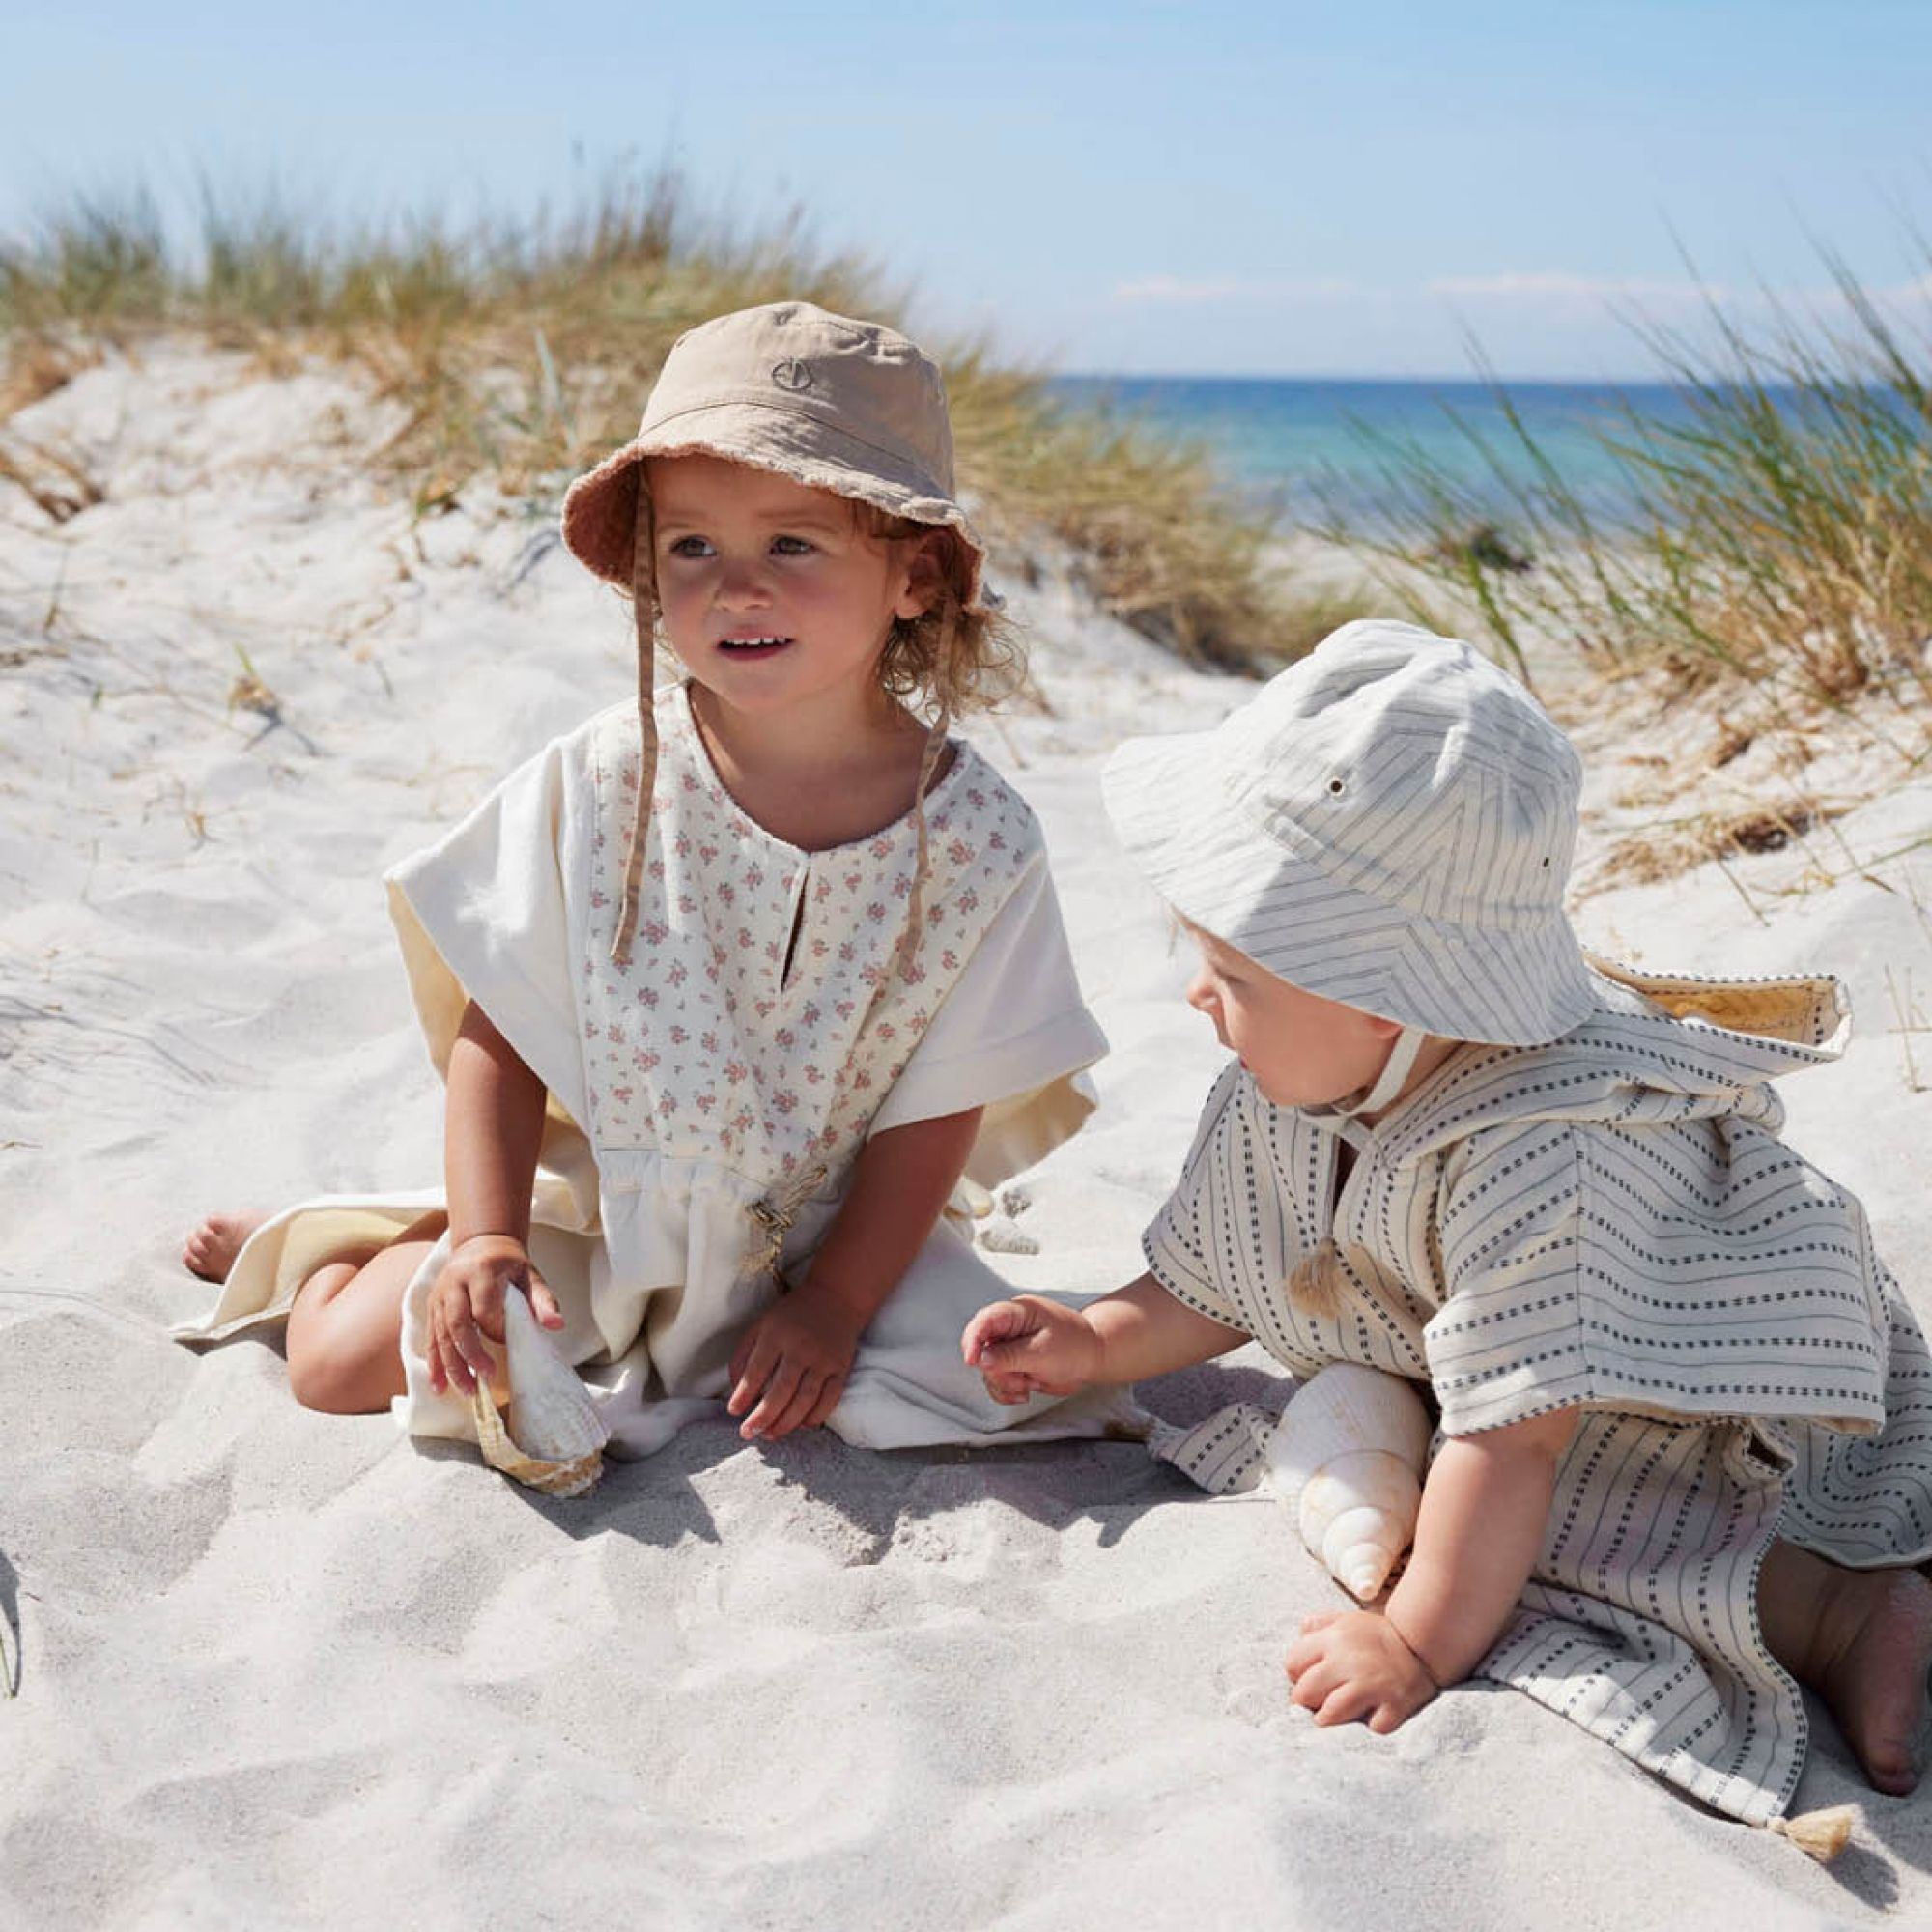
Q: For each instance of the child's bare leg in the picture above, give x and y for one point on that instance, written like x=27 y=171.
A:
x=1861 y=1639
x=210 y=1251
x=345 y=1328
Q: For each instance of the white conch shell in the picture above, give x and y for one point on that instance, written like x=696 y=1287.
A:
x=552 y=1436
x=1347 y=1457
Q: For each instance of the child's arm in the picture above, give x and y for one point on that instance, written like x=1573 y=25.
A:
x=1029 y=1344
x=1484 y=1511
x=792 y=1361
x=493 y=1124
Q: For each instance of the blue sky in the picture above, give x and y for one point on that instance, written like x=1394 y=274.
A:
x=1275 y=189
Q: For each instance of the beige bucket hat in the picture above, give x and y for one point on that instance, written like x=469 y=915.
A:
x=1389 y=823
x=839 y=405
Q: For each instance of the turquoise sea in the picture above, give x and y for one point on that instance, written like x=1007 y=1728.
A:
x=1296 y=444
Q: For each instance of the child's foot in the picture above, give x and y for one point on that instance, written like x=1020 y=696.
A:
x=1877 y=1631
x=211 y=1250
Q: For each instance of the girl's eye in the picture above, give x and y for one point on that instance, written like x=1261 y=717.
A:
x=791 y=546
x=690 y=547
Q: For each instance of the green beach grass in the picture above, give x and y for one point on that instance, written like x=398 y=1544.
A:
x=1779 y=535
x=522 y=351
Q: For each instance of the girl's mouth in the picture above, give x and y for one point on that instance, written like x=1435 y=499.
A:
x=752 y=647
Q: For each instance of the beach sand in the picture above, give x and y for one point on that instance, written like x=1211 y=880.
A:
x=278 y=1670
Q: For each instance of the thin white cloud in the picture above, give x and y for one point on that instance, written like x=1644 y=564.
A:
x=1179 y=290
x=1542 y=284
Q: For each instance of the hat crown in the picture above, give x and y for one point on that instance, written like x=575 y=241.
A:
x=1411 y=769
x=859 y=377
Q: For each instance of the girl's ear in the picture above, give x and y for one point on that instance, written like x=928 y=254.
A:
x=1380 y=1028
x=926 y=574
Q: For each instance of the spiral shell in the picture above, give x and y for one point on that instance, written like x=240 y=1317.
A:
x=551 y=1436
x=1347 y=1457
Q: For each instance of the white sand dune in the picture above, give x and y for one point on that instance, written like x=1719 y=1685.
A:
x=276 y=1669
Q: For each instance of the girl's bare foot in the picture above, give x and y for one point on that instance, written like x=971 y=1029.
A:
x=210 y=1251
x=1875 y=1638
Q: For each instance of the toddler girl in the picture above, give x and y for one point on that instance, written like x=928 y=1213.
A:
x=1686 y=1419
x=731 y=985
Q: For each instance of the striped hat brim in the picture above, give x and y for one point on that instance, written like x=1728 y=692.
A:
x=1218 y=867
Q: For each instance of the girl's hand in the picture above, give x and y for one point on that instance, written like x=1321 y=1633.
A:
x=1351 y=1664
x=466 y=1309
x=792 y=1363
x=1028 y=1346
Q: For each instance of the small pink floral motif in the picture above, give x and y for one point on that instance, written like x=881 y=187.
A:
x=755 y=876
x=644 y=1060
x=854 y=880
x=765 y=1008
x=677 y=973
x=728 y=894
x=969 y=900
x=875 y=912
x=653 y=932
x=997 y=841
x=844 y=1010
x=709 y=1042
x=655 y=868
x=744 y=1120
x=886 y=1029
x=786 y=1037
x=880 y=847
x=681 y=845
x=648 y=995
x=949 y=959
x=745 y=939
x=820 y=948
x=813 y=1076
x=705 y=1102
x=821 y=890
x=690 y=779
x=687 y=905
x=667 y=1105
x=809 y=1017
x=845 y=952
x=597 y=899
x=678 y=1035
x=784 y=1100
x=737 y=1072
x=707 y=853
x=977 y=797
x=623 y=1095
x=959 y=852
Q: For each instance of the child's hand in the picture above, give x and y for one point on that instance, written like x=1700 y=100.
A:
x=1029 y=1345
x=1351 y=1664
x=792 y=1362
x=466 y=1309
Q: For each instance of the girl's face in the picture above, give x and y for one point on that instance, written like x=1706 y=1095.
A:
x=771 y=594
x=1303 y=1051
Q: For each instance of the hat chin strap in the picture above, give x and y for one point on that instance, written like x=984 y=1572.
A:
x=1394 y=1075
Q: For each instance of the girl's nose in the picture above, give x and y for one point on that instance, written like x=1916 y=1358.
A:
x=742 y=587
x=1200 y=995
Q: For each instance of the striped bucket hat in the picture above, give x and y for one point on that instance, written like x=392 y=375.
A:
x=1389 y=823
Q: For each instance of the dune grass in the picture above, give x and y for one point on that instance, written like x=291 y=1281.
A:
x=522 y=351
x=1781 y=533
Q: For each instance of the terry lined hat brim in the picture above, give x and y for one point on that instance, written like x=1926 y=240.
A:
x=600 y=509
x=1207 y=853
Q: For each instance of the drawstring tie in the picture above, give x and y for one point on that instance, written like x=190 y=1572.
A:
x=772 y=1219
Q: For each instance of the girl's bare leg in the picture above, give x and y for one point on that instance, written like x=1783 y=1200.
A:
x=345 y=1328
x=1861 y=1639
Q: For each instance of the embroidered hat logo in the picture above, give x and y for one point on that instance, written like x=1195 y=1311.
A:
x=791 y=375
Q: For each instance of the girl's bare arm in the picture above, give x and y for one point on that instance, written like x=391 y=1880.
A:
x=492 y=1126
x=788 y=1370
x=1030 y=1345
x=1484 y=1511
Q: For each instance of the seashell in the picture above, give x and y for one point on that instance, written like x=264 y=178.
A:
x=551 y=1434
x=1347 y=1457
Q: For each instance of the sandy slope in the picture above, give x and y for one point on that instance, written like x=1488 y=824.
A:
x=283 y=1671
